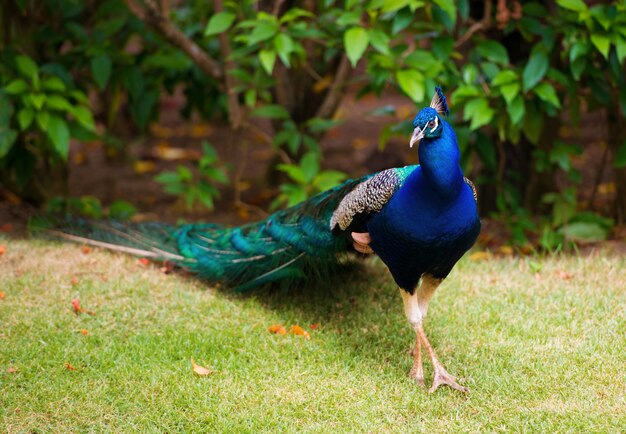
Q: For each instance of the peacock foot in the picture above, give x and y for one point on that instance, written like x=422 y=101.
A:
x=418 y=376
x=442 y=377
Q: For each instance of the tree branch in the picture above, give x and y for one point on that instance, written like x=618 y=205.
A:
x=481 y=25
x=235 y=113
x=333 y=97
x=152 y=15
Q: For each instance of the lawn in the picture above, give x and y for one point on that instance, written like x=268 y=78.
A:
x=540 y=342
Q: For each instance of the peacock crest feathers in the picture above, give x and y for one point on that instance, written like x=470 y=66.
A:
x=439 y=102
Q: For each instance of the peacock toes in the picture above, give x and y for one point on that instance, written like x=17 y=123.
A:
x=440 y=375
x=415 y=308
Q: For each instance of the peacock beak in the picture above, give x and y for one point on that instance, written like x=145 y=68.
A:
x=418 y=135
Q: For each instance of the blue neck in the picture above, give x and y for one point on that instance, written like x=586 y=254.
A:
x=439 y=159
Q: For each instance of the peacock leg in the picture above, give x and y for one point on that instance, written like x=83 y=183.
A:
x=417 y=370
x=440 y=376
x=415 y=308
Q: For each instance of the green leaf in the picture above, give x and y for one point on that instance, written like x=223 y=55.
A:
x=516 y=109
x=16 y=86
x=267 y=59
x=56 y=102
x=7 y=135
x=620 y=47
x=37 y=100
x=584 y=231
x=536 y=68
x=54 y=84
x=43 y=118
x=101 y=69
x=284 y=47
x=380 y=41
x=167 y=178
x=505 y=77
x=328 y=179
x=271 y=111
x=479 y=111
x=449 y=7
x=393 y=5
x=27 y=66
x=493 y=51
x=579 y=48
x=310 y=166
x=7 y=138
x=412 y=83
x=84 y=116
x=25 y=117
x=546 y=92
x=510 y=91
x=295 y=13
x=573 y=5
x=294 y=172
x=121 y=210
x=219 y=23
x=602 y=43
x=355 y=41
x=263 y=31
x=578 y=66
x=59 y=135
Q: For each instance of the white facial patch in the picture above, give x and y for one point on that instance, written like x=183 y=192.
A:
x=436 y=124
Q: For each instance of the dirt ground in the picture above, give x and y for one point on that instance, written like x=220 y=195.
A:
x=351 y=147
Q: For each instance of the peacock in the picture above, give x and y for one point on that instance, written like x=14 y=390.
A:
x=418 y=219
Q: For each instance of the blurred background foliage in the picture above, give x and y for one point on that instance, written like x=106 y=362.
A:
x=517 y=73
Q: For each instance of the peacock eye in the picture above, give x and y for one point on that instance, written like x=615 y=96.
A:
x=431 y=124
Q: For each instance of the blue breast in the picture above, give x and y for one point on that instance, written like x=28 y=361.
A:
x=420 y=231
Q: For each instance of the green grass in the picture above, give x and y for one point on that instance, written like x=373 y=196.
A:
x=540 y=352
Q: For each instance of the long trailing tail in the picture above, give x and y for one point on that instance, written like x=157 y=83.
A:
x=290 y=244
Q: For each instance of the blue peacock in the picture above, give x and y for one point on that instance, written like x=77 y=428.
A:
x=418 y=219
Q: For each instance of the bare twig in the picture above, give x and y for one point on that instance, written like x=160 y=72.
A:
x=152 y=15
x=234 y=108
x=333 y=97
x=483 y=24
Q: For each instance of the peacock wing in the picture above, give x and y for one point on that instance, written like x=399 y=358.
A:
x=368 y=197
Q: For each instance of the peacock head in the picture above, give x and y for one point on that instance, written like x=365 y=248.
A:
x=428 y=123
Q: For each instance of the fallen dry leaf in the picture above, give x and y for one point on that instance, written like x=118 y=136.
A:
x=200 y=370
x=505 y=250
x=12 y=369
x=84 y=332
x=69 y=367
x=7 y=227
x=144 y=261
x=200 y=130
x=297 y=330
x=314 y=326
x=86 y=250
x=78 y=309
x=74 y=280
x=76 y=305
x=3 y=249
x=479 y=256
x=563 y=275
x=277 y=329
x=79 y=158
x=2 y=295
x=142 y=167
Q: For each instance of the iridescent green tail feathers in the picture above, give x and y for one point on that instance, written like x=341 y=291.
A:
x=290 y=244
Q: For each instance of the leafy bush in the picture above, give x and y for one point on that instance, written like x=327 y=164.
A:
x=192 y=189
x=513 y=71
